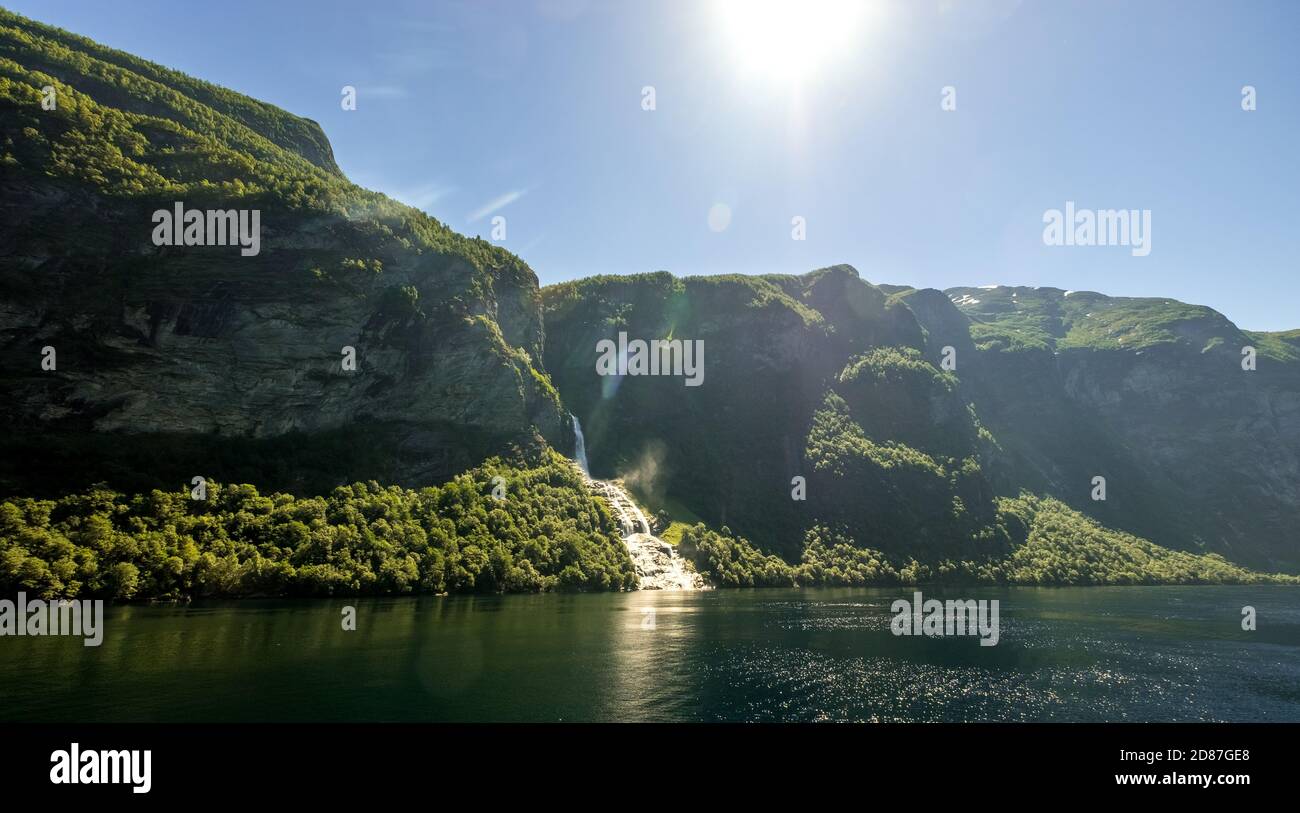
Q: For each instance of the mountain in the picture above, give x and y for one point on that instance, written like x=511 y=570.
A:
x=1198 y=453
x=180 y=360
x=828 y=377
x=830 y=431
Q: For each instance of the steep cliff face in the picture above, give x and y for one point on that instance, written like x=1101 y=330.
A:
x=756 y=341
x=364 y=339
x=773 y=348
x=199 y=349
x=828 y=377
x=1198 y=453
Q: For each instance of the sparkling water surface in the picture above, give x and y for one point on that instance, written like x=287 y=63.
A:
x=1064 y=654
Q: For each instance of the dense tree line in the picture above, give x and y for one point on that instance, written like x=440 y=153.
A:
x=1052 y=544
x=728 y=561
x=546 y=533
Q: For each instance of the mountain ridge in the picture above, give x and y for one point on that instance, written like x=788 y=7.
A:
x=1092 y=378
x=183 y=361
x=164 y=345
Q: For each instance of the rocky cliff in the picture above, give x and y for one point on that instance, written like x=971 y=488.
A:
x=774 y=349
x=1198 y=453
x=831 y=378
x=363 y=339
x=170 y=361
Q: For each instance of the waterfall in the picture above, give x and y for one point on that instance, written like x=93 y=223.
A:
x=657 y=564
x=637 y=515
x=579 y=446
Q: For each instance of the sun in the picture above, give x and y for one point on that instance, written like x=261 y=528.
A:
x=790 y=40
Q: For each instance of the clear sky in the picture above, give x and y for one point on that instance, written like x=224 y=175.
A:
x=532 y=109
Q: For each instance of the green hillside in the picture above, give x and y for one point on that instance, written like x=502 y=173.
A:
x=179 y=361
x=838 y=381
x=545 y=533
x=201 y=349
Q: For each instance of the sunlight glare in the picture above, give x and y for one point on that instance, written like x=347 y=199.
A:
x=789 y=39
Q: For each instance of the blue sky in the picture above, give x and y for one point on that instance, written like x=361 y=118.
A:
x=531 y=109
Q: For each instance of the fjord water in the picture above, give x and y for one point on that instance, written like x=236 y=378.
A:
x=1087 y=654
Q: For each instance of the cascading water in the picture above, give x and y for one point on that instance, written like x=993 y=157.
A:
x=657 y=563
x=579 y=446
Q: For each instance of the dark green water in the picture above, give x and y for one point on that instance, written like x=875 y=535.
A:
x=1094 y=654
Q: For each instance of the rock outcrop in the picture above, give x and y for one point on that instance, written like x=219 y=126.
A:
x=1198 y=453
x=172 y=361
x=1050 y=389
